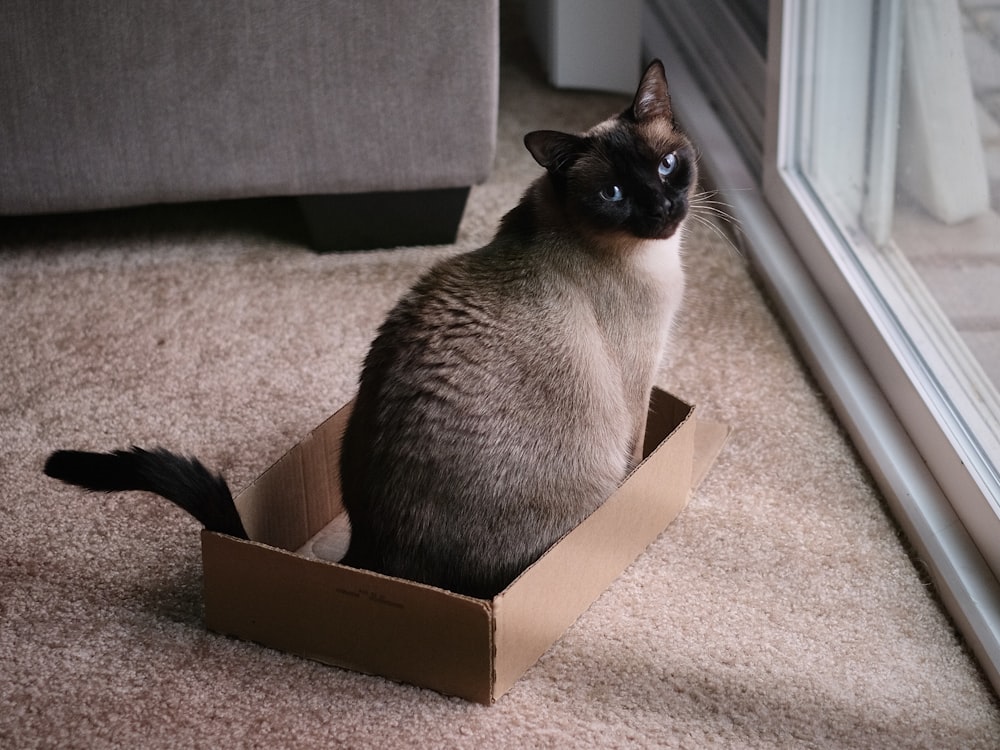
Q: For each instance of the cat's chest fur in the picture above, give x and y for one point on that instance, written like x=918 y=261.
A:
x=637 y=307
x=660 y=261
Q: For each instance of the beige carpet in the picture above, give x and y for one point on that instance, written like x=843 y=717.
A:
x=779 y=610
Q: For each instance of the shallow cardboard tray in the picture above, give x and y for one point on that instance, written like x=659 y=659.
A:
x=264 y=592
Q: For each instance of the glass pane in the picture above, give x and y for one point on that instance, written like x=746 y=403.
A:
x=897 y=137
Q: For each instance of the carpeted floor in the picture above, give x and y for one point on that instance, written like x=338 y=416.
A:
x=779 y=610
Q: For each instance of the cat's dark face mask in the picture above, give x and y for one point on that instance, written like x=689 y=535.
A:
x=633 y=175
x=624 y=185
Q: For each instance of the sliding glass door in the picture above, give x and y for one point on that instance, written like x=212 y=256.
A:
x=869 y=193
x=876 y=164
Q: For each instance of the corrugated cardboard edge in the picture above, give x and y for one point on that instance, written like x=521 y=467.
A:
x=709 y=439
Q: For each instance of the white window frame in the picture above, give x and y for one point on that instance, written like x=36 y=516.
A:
x=863 y=364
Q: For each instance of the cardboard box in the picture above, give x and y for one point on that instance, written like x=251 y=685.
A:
x=264 y=592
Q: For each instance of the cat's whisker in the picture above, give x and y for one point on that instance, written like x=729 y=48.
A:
x=716 y=219
x=708 y=197
x=721 y=205
x=712 y=192
x=719 y=208
x=703 y=203
x=718 y=231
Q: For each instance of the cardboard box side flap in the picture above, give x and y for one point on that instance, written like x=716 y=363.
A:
x=349 y=618
x=543 y=602
x=299 y=493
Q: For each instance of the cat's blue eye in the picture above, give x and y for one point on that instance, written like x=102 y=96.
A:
x=612 y=194
x=667 y=165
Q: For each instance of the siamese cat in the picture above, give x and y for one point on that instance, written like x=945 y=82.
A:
x=505 y=396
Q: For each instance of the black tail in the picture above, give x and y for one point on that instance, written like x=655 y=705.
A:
x=183 y=481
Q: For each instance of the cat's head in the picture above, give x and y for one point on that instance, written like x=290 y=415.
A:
x=631 y=176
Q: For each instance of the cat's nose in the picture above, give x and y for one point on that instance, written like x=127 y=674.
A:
x=674 y=208
x=664 y=211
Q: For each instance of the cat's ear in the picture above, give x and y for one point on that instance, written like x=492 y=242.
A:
x=553 y=150
x=652 y=98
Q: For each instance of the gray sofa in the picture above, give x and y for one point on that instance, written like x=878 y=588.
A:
x=378 y=115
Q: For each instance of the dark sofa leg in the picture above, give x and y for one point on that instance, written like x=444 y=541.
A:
x=365 y=221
